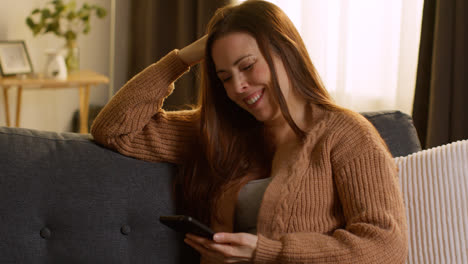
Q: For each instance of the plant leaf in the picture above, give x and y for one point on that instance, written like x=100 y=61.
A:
x=59 y=9
x=87 y=28
x=30 y=23
x=70 y=35
x=49 y=28
x=46 y=13
x=36 y=30
x=71 y=5
x=101 y=12
x=71 y=15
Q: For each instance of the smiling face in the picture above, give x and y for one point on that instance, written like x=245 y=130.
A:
x=246 y=76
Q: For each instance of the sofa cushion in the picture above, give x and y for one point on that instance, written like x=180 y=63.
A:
x=64 y=199
x=398 y=131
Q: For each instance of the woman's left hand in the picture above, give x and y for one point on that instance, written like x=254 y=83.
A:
x=225 y=247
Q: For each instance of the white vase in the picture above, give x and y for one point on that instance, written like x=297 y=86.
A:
x=55 y=66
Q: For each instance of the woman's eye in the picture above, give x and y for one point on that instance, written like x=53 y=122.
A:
x=226 y=79
x=248 y=67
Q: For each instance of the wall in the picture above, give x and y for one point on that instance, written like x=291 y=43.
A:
x=121 y=53
x=52 y=109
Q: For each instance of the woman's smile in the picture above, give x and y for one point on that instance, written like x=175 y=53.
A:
x=254 y=99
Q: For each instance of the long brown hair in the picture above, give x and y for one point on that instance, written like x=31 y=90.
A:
x=231 y=141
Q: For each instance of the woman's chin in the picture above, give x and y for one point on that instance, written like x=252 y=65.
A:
x=268 y=117
x=261 y=117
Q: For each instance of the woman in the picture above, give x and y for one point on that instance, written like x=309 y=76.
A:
x=329 y=191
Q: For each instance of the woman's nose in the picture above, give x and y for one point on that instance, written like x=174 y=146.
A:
x=240 y=83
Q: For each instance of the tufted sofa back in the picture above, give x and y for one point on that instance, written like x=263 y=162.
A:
x=64 y=199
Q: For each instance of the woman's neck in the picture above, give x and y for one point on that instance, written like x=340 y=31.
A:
x=279 y=132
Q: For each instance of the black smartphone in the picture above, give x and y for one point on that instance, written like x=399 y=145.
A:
x=187 y=224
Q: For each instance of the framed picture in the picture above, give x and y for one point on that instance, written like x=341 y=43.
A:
x=14 y=58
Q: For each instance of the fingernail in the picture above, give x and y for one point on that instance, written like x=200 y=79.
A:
x=216 y=237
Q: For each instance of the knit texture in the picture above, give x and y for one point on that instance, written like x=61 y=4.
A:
x=335 y=199
x=435 y=188
x=133 y=122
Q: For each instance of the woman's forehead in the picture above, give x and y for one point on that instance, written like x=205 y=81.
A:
x=227 y=49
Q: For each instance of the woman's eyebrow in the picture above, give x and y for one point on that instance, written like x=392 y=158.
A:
x=235 y=62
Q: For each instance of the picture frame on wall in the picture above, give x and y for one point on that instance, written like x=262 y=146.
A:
x=14 y=58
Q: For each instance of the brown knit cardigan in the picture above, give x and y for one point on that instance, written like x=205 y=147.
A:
x=336 y=199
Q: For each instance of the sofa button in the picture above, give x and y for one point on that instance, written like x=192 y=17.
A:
x=125 y=229
x=45 y=233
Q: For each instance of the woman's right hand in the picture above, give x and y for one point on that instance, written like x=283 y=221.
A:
x=193 y=53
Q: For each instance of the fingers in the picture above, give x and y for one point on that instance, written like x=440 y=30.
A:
x=200 y=240
x=203 y=247
x=214 y=256
x=242 y=239
x=227 y=253
x=198 y=247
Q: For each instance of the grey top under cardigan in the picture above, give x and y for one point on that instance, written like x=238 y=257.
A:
x=248 y=204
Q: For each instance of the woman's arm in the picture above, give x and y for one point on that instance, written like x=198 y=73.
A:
x=133 y=122
x=193 y=53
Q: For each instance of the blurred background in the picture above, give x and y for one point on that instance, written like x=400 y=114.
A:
x=371 y=54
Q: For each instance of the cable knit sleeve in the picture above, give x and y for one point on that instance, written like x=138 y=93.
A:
x=133 y=122
x=368 y=189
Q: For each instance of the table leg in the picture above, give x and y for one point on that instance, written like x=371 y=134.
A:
x=7 y=107
x=84 y=108
x=19 y=93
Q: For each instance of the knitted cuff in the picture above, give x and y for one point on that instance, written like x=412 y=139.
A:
x=267 y=251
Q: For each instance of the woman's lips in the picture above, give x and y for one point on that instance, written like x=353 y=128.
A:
x=254 y=98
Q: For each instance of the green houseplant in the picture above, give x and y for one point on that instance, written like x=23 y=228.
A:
x=65 y=20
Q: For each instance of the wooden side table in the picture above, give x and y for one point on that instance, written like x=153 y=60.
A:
x=83 y=79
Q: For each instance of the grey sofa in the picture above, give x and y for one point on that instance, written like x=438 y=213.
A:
x=65 y=199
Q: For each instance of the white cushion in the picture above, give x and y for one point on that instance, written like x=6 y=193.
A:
x=435 y=189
